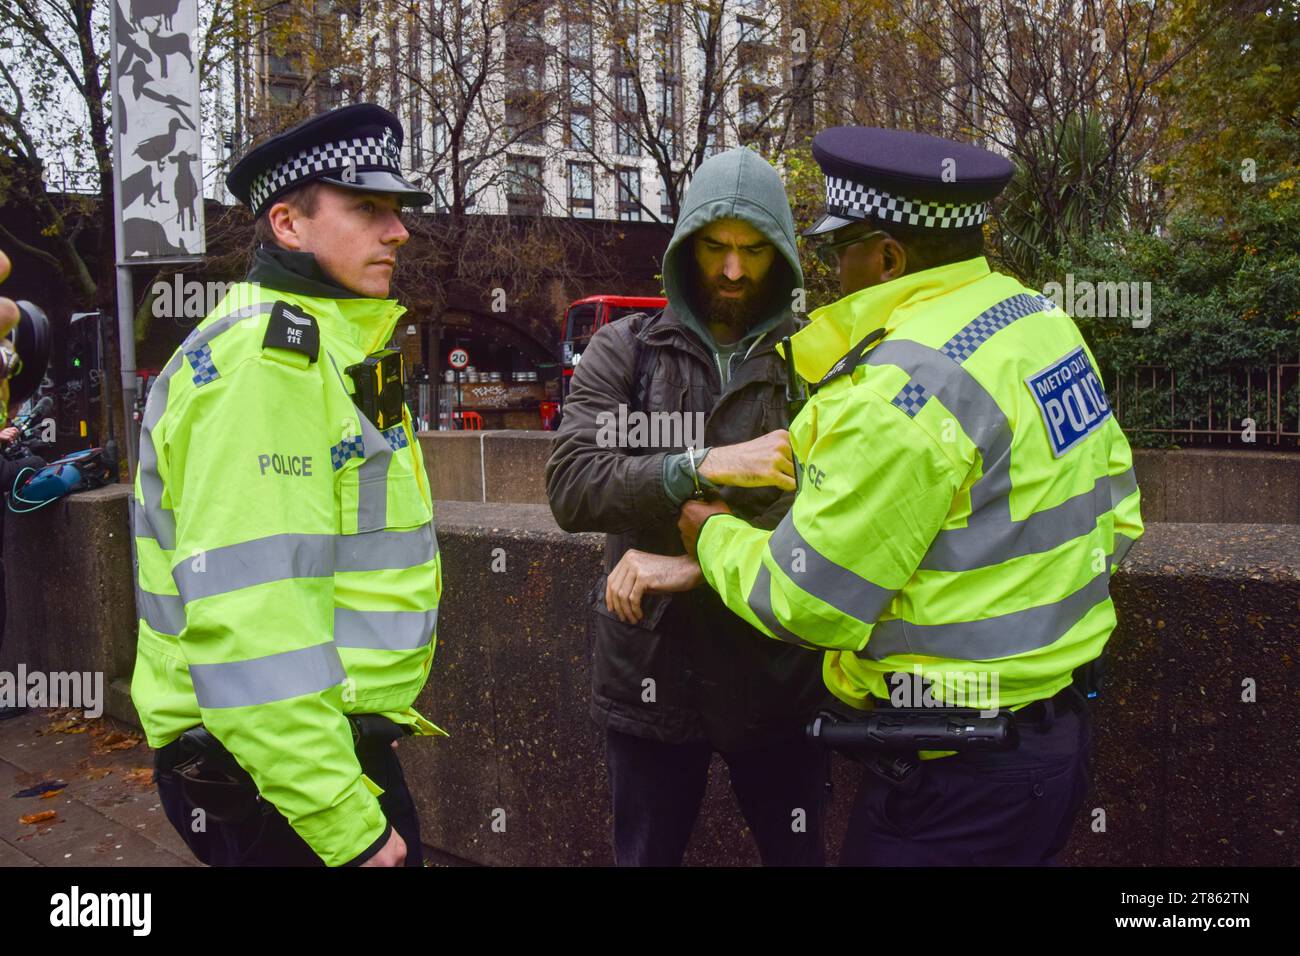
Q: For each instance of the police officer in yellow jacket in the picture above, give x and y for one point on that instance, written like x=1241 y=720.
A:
x=288 y=570
x=964 y=494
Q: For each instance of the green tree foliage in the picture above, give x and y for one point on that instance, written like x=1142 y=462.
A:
x=1225 y=309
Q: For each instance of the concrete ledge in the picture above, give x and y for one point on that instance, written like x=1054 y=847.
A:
x=1203 y=485
x=512 y=465
x=68 y=585
x=1261 y=487
x=1185 y=770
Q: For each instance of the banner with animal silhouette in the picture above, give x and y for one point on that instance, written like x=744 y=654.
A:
x=158 y=194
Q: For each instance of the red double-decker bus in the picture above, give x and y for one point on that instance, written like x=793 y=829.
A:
x=585 y=316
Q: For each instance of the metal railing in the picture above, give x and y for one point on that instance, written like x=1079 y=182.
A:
x=1269 y=397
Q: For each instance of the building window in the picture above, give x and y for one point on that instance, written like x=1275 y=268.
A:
x=523 y=186
x=440 y=203
x=714 y=141
x=669 y=117
x=580 y=41
x=579 y=129
x=582 y=199
x=525 y=78
x=626 y=142
x=468 y=185
x=413 y=96
x=629 y=194
x=665 y=205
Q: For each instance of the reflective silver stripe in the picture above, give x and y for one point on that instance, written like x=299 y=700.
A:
x=844 y=590
x=152 y=520
x=384 y=630
x=278 y=557
x=1121 y=486
x=991 y=536
x=155 y=521
x=990 y=638
x=1122 y=543
x=165 y=613
x=372 y=479
x=263 y=680
x=385 y=550
x=760 y=602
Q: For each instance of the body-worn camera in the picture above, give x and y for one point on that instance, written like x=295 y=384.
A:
x=379 y=381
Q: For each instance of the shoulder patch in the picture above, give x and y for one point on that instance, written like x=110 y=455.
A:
x=853 y=358
x=1070 y=399
x=293 y=329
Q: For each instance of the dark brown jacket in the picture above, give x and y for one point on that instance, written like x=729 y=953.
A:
x=714 y=677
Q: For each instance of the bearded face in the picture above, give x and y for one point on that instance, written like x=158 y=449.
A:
x=735 y=274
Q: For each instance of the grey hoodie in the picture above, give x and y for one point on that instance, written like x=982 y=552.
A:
x=737 y=184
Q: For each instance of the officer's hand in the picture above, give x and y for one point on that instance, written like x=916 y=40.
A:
x=694 y=514
x=8 y=435
x=393 y=853
x=638 y=573
x=8 y=310
x=764 y=461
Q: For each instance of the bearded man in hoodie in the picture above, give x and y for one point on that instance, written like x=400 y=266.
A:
x=676 y=677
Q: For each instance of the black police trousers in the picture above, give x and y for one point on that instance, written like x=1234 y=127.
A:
x=658 y=789
x=1008 y=808
x=265 y=837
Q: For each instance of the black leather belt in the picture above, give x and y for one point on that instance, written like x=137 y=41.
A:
x=1067 y=698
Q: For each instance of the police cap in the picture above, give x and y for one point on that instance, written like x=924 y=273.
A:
x=895 y=177
x=353 y=147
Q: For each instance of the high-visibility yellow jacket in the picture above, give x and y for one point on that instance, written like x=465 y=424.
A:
x=287 y=567
x=964 y=495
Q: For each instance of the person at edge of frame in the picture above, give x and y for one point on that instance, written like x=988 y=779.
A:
x=676 y=677
x=965 y=493
x=288 y=570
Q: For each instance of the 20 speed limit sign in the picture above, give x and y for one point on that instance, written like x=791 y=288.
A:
x=458 y=359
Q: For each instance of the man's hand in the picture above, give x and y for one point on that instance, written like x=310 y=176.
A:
x=764 y=461
x=8 y=435
x=638 y=573
x=695 y=513
x=393 y=853
x=8 y=310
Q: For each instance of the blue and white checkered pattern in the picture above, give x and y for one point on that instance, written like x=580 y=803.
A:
x=325 y=158
x=911 y=398
x=347 y=449
x=396 y=437
x=201 y=361
x=976 y=332
x=852 y=200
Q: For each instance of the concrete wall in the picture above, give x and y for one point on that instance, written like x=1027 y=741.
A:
x=1219 y=486
x=1186 y=772
x=512 y=465
x=1214 y=487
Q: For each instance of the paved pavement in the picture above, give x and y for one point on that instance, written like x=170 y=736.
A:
x=107 y=815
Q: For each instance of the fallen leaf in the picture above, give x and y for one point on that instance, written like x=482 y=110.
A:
x=41 y=817
x=114 y=740
x=67 y=727
x=50 y=794
x=140 y=776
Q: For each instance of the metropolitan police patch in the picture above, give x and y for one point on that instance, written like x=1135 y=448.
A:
x=1071 y=400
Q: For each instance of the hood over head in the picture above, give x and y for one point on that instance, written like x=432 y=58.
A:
x=736 y=184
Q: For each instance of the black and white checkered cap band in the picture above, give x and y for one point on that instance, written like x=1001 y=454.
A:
x=850 y=200
x=324 y=157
